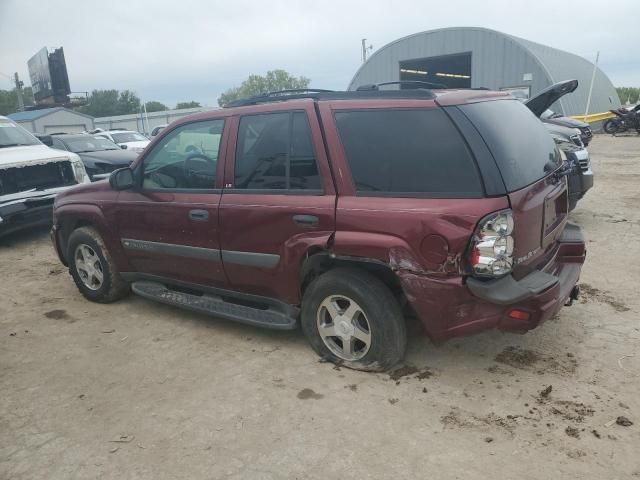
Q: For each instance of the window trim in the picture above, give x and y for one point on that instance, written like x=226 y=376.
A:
x=276 y=191
x=435 y=195
x=139 y=170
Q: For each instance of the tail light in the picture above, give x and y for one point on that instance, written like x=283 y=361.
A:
x=491 y=252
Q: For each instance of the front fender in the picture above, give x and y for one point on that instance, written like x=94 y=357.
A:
x=68 y=217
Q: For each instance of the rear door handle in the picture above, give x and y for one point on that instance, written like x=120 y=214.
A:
x=306 y=220
x=199 y=215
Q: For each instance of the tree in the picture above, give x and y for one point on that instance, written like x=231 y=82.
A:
x=106 y=103
x=274 y=80
x=630 y=94
x=128 y=102
x=9 y=100
x=154 y=106
x=190 y=104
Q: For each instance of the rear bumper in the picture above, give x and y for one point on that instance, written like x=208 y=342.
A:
x=458 y=306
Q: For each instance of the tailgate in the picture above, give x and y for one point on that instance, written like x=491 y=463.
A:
x=539 y=214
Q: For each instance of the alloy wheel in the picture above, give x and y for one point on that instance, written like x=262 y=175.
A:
x=344 y=327
x=88 y=266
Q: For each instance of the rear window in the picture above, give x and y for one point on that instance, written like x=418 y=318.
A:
x=407 y=152
x=521 y=145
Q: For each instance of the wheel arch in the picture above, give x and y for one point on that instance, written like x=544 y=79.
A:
x=322 y=261
x=70 y=219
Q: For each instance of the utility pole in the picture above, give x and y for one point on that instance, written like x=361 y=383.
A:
x=365 y=49
x=19 y=92
x=593 y=77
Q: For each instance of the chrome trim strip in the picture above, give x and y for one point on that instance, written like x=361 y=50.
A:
x=249 y=259
x=171 y=249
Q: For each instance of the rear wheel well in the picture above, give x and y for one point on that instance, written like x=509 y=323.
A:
x=321 y=262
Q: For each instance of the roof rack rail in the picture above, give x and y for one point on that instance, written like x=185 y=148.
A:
x=317 y=94
x=414 y=83
x=275 y=95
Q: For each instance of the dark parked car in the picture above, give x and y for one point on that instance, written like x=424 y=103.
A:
x=99 y=155
x=540 y=104
x=580 y=174
x=342 y=212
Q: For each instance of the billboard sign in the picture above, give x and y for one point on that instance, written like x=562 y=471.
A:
x=49 y=78
x=40 y=75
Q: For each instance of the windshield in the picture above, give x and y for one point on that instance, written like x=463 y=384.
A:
x=89 y=144
x=128 y=137
x=13 y=135
x=547 y=114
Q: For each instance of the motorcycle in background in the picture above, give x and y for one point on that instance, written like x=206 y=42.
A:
x=624 y=120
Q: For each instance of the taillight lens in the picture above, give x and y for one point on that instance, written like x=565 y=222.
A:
x=491 y=253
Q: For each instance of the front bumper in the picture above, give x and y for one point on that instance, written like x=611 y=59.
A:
x=461 y=306
x=23 y=210
x=19 y=216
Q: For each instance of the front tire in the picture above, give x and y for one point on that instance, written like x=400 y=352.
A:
x=351 y=318
x=92 y=267
x=611 y=126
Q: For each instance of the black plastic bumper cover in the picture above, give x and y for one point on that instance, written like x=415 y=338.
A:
x=507 y=290
x=19 y=216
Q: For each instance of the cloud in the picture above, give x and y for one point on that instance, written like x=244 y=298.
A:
x=182 y=50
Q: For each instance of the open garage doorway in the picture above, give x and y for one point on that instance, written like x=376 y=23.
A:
x=454 y=71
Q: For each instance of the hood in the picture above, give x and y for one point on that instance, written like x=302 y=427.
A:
x=26 y=155
x=561 y=131
x=112 y=157
x=92 y=191
x=550 y=95
x=566 y=122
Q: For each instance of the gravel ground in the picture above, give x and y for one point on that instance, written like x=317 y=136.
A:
x=141 y=390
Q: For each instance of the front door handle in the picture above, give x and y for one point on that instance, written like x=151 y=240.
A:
x=306 y=220
x=199 y=215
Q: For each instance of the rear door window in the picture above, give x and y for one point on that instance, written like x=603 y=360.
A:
x=521 y=145
x=410 y=152
x=275 y=152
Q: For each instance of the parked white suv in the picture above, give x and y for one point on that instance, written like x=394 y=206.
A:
x=31 y=175
x=128 y=139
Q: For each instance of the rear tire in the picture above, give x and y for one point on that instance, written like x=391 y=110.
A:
x=351 y=318
x=93 y=269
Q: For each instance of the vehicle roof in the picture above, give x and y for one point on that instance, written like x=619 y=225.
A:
x=366 y=97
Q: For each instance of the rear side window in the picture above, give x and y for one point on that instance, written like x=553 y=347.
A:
x=407 y=152
x=275 y=152
x=521 y=145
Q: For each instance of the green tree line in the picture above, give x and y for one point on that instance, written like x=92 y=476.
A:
x=628 y=94
x=100 y=103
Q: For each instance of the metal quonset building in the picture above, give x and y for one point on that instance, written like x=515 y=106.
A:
x=52 y=120
x=471 y=57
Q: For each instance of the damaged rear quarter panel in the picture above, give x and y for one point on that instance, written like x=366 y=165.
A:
x=392 y=230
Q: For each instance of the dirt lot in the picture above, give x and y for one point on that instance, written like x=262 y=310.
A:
x=140 y=390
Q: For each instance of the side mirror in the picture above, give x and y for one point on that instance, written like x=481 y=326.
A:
x=121 y=179
x=46 y=139
x=123 y=146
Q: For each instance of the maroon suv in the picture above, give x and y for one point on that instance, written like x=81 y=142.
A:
x=341 y=211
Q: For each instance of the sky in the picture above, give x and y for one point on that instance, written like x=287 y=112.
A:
x=173 y=51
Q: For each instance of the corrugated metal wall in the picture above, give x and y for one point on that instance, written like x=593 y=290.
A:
x=498 y=61
x=139 y=121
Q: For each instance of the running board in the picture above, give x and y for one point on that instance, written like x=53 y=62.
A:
x=215 y=305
